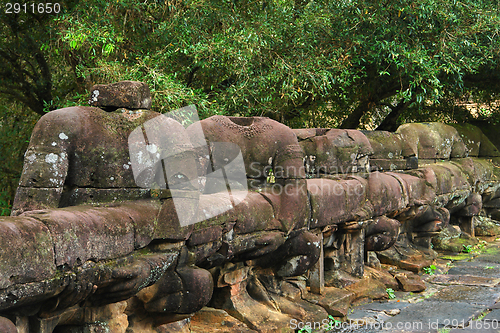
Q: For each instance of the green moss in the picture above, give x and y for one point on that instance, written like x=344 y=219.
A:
x=457 y=257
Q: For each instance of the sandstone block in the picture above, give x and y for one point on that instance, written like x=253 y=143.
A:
x=433 y=140
x=346 y=196
x=123 y=94
x=81 y=233
x=27 y=251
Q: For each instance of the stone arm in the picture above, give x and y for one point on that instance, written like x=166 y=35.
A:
x=289 y=193
x=46 y=161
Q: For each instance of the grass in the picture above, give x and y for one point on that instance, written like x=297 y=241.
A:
x=482 y=315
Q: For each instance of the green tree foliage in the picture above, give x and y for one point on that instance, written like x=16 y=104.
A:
x=306 y=63
x=16 y=125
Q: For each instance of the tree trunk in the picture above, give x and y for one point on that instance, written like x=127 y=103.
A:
x=390 y=122
x=352 y=121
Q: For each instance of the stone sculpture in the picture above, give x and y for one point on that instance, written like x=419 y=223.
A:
x=96 y=224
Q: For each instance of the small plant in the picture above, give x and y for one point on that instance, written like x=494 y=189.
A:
x=430 y=270
x=270 y=176
x=467 y=248
x=328 y=327
x=489 y=267
x=333 y=323
x=390 y=293
x=444 y=330
x=481 y=315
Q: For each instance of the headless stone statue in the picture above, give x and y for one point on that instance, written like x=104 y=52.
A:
x=80 y=155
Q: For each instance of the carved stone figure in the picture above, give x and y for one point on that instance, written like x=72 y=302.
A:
x=119 y=203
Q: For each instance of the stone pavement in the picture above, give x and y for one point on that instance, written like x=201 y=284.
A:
x=463 y=296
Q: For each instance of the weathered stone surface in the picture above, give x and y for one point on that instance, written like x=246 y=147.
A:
x=490 y=255
x=263 y=143
x=31 y=293
x=339 y=279
x=466 y=280
x=94 y=141
x=143 y=215
x=388 y=145
x=335 y=301
x=450 y=240
x=368 y=288
x=6 y=326
x=254 y=213
x=434 y=314
x=100 y=156
x=484 y=226
x=123 y=94
x=301 y=310
x=480 y=172
x=381 y=234
x=409 y=281
x=290 y=203
x=484 y=296
x=27 y=251
x=81 y=233
x=183 y=291
x=445 y=179
x=383 y=306
x=216 y=320
x=462 y=267
x=393 y=165
x=473 y=205
x=385 y=193
x=111 y=318
x=86 y=150
x=347 y=196
x=46 y=166
x=168 y=226
x=29 y=198
x=335 y=151
x=405 y=256
x=95 y=196
x=236 y=301
x=346 y=254
x=492 y=317
x=476 y=142
x=382 y=276
x=417 y=190
x=433 y=140
x=181 y=326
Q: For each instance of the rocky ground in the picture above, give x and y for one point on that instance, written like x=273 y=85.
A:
x=462 y=294
x=459 y=292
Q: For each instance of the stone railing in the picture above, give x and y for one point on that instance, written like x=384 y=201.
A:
x=90 y=248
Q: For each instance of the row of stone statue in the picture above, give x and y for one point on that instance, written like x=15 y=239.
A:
x=116 y=201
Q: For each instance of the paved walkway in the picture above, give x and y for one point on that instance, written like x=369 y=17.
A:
x=462 y=296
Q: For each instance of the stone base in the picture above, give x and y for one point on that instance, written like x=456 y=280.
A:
x=407 y=256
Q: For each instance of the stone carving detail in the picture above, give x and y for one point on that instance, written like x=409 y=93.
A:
x=86 y=244
x=248 y=131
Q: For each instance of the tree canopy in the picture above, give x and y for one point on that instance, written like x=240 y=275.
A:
x=307 y=63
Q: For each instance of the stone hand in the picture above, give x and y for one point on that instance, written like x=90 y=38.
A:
x=128 y=280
